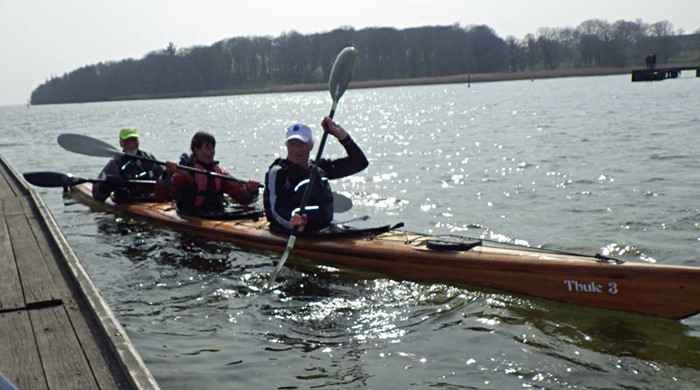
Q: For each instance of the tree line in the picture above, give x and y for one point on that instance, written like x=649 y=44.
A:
x=384 y=53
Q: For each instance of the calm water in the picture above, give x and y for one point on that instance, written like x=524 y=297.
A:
x=572 y=164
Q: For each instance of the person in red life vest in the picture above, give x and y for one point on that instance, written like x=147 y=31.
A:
x=197 y=193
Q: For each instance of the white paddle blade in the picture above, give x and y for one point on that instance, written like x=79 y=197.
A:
x=342 y=72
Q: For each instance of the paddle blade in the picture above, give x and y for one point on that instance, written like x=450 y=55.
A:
x=341 y=203
x=51 y=179
x=288 y=249
x=85 y=145
x=342 y=72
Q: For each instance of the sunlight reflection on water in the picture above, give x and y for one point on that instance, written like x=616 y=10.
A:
x=546 y=164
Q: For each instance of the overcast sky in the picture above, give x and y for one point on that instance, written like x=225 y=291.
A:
x=41 y=38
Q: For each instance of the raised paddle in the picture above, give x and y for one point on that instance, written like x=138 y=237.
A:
x=82 y=144
x=341 y=73
x=57 y=179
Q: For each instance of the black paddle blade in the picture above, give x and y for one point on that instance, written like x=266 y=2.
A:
x=85 y=145
x=342 y=72
x=51 y=179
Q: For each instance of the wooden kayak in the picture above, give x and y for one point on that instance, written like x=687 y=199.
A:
x=667 y=291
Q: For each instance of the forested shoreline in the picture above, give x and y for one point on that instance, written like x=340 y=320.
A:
x=293 y=61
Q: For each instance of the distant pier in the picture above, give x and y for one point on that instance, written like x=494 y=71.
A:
x=658 y=74
x=56 y=331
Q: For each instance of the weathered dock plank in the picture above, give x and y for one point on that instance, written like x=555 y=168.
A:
x=10 y=185
x=37 y=282
x=11 y=297
x=55 y=337
x=20 y=356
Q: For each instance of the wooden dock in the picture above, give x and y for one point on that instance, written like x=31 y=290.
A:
x=56 y=331
x=657 y=74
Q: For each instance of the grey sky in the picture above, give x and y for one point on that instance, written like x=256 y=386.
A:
x=41 y=38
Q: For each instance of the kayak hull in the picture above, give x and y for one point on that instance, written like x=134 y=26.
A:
x=666 y=291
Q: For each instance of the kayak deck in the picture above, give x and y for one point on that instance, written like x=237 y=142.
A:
x=666 y=291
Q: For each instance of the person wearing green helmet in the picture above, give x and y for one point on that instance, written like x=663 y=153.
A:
x=121 y=169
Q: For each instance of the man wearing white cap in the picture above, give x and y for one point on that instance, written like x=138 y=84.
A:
x=287 y=179
x=121 y=169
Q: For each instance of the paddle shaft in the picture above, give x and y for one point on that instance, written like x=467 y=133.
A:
x=314 y=169
x=185 y=168
x=80 y=180
x=89 y=146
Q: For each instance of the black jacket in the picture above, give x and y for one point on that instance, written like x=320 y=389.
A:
x=282 y=197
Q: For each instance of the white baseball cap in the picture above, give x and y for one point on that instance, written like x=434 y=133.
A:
x=299 y=131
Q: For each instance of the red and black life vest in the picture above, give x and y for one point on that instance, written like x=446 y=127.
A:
x=206 y=195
